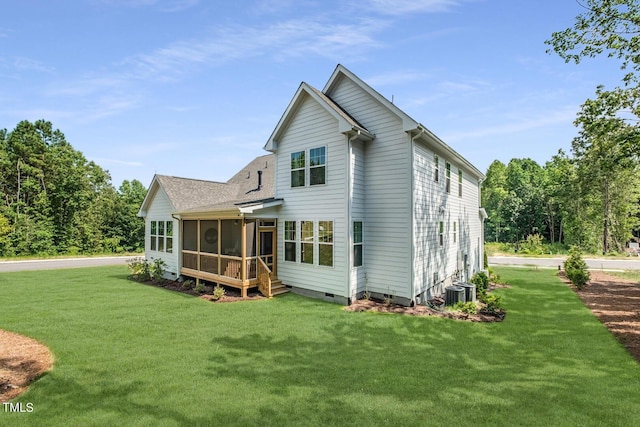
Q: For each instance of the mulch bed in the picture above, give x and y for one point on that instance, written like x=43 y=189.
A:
x=616 y=302
x=423 y=310
x=22 y=361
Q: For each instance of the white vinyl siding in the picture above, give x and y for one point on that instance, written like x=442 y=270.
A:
x=460 y=219
x=387 y=164
x=159 y=211
x=313 y=127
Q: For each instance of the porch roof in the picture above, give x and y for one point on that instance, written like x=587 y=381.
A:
x=233 y=206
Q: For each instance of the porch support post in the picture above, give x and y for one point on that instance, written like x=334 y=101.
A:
x=244 y=251
x=198 y=240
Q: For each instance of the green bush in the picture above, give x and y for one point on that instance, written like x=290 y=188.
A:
x=532 y=245
x=481 y=280
x=466 y=307
x=188 y=284
x=493 y=304
x=576 y=269
x=142 y=270
x=218 y=292
x=199 y=287
x=486 y=259
x=139 y=268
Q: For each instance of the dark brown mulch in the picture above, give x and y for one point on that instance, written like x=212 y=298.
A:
x=230 y=294
x=423 y=310
x=616 y=302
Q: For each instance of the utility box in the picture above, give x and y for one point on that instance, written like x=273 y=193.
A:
x=469 y=291
x=454 y=295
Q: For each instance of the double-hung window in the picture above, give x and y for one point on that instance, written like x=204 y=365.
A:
x=290 y=241
x=317 y=166
x=306 y=245
x=315 y=169
x=357 y=243
x=455 y=232
x=459 y=183
x=298 y=165
x=161 y=236
x=448 y=177
x=441 y=233
x=436 y=169
x=325 y=243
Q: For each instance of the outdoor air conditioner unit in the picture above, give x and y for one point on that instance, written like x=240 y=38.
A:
x=454 y=295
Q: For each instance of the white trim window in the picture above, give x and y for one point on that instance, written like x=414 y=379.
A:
x=455 y=232
x=153 y=241
x=436 y=169
x=358 y=246
x=325 y=243
x=307 y=242
x=298 y=165
x=448 y=177
x=459 y=183
x=318 y=166
x=161 y=236
x=290 y=241
x=441 y=233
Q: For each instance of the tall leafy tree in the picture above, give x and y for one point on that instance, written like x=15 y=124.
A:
x=610 y=28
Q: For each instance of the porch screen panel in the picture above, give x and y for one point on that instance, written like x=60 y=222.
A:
x=209 y=237
x=190 y=235
x=251 y=238
x=231 y=237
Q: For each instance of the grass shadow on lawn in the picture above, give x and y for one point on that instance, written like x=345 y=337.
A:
x=137 y=355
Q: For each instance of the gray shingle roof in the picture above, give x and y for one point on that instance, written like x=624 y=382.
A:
x=194 y=195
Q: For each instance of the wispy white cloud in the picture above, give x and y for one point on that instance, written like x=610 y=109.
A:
x=283 y=40
x=450 y=88
x=514 y=126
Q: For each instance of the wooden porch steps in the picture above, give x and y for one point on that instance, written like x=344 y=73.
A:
x=277 y=288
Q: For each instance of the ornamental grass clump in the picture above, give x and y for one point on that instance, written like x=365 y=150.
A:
x=576 y=269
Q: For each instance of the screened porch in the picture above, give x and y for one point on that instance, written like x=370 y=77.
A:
x=237 y=252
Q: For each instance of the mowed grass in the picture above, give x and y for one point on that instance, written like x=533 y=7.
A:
x=130 y=354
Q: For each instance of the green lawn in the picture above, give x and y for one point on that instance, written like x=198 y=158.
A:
x=129 y=354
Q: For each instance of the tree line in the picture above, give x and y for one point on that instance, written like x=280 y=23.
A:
x=55 y=201
x=589 y=198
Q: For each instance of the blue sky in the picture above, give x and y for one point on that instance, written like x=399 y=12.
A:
x=194 y=88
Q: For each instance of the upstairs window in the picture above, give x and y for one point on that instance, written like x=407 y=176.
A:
x=448 y=177
x=459 y=183
x=436 y=170
x=317 y=166
x=298 y=164
x=441 y=233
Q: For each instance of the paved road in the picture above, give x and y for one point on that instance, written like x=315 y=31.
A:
x=594 y=263
x=52 y=264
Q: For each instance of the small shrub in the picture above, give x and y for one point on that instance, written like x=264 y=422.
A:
x=481 y=280
x=576 y=269
x=139 y=268
x=218 y=292
x=532 y=245
x=493 y=304
x=199 y=287
x=486 y=259
x=156 y=270
x=466 y=307
x=188 y=284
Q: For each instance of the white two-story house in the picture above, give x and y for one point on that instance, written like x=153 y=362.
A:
x=356 y=197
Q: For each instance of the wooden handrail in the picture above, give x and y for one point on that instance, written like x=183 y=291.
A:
x=264 y=278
